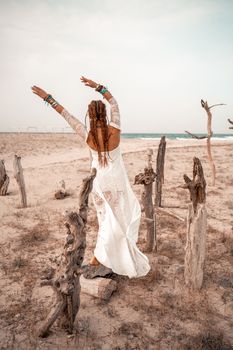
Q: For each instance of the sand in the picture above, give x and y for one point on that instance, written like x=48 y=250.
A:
x=155 y=312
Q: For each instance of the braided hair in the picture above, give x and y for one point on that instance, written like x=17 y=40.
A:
x=97 y=113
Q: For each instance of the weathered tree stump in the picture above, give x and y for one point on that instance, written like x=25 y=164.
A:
x=231 y=122
x=4 y=179
x=160 y=171
x=18 y=174
x=61 y=192
x=147 y=178
x=196 y=227
x=66 y=281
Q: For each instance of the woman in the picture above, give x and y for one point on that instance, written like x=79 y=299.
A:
x=118 y=209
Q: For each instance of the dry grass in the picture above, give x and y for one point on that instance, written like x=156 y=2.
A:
x=168 y=223
x=130 y=328
x=34 y=235
x=229 y=204
x=37 y=235
x=30 y=236
x=229 y=181
x=213 y=193
x=12 y=268
x=210 y=340
x=137 y=337
x=19 y=262
x=227 y=240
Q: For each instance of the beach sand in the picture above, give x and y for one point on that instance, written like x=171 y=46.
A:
x=154 y=312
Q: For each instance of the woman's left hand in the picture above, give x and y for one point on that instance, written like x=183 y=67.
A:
x=88 y=82
x=40 y=92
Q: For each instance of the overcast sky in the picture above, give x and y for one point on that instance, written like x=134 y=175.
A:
x=157 y=57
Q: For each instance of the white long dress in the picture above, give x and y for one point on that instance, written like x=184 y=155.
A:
x=119 y=214
x=117 y=207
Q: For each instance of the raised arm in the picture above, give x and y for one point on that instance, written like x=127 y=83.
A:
x=75 y=124
x=114 y=109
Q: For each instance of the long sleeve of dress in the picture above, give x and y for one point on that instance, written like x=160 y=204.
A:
x=115 y=114
x=75 y=124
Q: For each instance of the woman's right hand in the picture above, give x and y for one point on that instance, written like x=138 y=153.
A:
x=38 y=91
x=88 y=82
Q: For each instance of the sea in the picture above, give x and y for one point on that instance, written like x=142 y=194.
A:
x=143 y=136
x=157 y=136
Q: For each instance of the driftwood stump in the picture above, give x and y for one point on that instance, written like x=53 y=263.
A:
x=60 y=192
x=160 y=171
x=4 y=179
x=66 y=282
x=147 y=178
x=18 y=174
x=196 y=227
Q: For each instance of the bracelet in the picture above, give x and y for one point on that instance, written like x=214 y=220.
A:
x=46 y=99
x=54 y=104
x=50 y=100
x=103 y=90
x=99 y=88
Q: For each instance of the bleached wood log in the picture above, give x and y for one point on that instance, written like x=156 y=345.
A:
x=206 y=107
x=195 y=246
x=66 y=281
x=196 y=136
x=210 y=133
x=160 y=171
x=196 y=227
x=147 y=178
x=18 y=174
x=4 y=179
x=101 y=288
x=149 y=158
x=149 y=217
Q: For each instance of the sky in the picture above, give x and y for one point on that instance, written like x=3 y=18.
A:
x=158 y=58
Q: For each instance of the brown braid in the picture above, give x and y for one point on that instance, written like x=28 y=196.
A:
x=97 y=112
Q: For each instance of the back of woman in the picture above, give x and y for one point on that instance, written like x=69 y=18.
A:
x=118 y=209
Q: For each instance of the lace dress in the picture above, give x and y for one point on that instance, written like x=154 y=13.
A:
x=118 y=212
